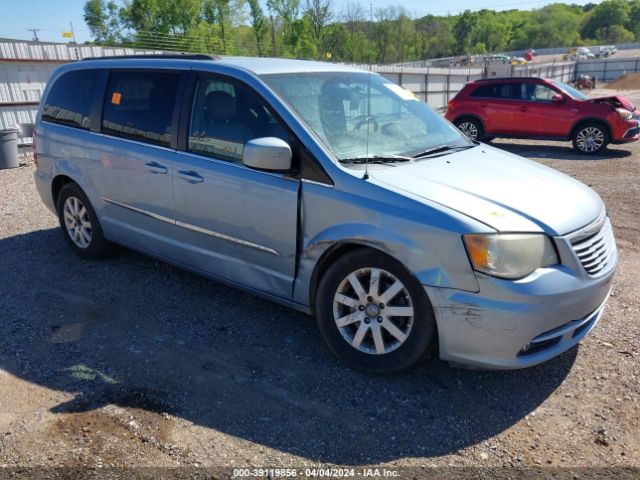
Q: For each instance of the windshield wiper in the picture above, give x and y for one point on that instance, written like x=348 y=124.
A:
x=442 y=149
x=377 y=159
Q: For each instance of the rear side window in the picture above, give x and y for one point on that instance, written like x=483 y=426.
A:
x=69 y=100
x=139 y=106
x=486 y=91
x=505 y=91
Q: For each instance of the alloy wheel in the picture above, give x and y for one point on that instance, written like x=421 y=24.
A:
x=469 y=129
x=590 y=139
x=77 y=222
x=373 y=311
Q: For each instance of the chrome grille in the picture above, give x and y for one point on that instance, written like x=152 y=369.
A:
x=595 y=251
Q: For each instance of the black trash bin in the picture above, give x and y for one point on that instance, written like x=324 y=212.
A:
x=9 y=148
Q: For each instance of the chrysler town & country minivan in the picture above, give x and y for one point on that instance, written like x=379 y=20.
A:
x=334 y=191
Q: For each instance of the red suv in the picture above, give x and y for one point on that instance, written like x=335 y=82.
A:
x=543 y=109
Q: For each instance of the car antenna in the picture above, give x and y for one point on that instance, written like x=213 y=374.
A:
x=366 y=164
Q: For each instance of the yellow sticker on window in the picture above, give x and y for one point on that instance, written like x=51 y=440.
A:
x=116 y=98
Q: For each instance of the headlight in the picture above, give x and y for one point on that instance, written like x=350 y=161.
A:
x=510 y=255
x=624 y=113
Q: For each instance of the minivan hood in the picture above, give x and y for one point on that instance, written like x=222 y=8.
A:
x=615 y=101
x=502 y=190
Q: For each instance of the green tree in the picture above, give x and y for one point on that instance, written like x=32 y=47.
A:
x=145 y=16
x=490 y=32
x=463 y=30
x=436 y=38
x=555 y=25
x=614 y=34
x=604 y=17
x=258 y=24
x=286 y=13
x=319 y=13
x=218 y=12
x=104 y=20
x=355 y=21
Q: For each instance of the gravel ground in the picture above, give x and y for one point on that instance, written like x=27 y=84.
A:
x=130 y=362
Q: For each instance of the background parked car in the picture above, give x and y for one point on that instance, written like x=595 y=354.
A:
x=584 y=52
x=606 y=51
x=543 y=109
x=580 y=53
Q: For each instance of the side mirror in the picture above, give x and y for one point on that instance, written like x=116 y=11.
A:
x=557 y=98
x=268 y=153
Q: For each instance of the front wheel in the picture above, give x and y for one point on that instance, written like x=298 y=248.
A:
x=373 y=314
x=590 y=138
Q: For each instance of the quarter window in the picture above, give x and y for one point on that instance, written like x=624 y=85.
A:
x=69 y=101
x=139 y=106
x=226 y=115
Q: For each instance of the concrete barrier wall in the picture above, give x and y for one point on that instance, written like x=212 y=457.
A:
x=609 y=69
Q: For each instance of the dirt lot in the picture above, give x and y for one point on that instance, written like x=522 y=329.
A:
x=131 y=362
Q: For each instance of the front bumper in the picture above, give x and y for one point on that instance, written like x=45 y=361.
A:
x=518 y=324
x=629 y=131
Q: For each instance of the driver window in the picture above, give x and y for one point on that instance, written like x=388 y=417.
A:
x=539 y=93
x=226 y=115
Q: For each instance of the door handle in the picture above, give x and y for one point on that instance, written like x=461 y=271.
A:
x=190 y=176
x=483 y=105
x=523 y=109
x=155 y=167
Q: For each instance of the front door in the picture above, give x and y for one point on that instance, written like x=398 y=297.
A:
x=234 y=222
x=548 y=119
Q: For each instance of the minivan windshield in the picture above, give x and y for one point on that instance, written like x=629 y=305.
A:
x=572 y=92
x=364 y=115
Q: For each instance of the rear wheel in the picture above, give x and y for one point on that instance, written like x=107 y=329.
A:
x=373 y=314
x=590 y=138
x=79 y=223
x=471 y=127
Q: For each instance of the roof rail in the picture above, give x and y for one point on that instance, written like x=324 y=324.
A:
x=175 y=56
x=507 y=78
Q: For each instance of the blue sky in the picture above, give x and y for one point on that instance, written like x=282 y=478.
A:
x=53 y=16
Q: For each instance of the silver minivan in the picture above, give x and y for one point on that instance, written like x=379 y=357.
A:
x=334 y=191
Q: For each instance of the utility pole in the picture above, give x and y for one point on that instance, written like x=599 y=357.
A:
x=35 y=33
x=73 y=32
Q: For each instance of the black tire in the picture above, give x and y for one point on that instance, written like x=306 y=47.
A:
x=420 y=332
x=590 y=138
x=96 y=246
x=471 y=127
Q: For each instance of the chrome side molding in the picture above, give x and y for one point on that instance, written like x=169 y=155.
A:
x=194 y=228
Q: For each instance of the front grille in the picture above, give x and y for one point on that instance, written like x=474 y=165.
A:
x=595 y=251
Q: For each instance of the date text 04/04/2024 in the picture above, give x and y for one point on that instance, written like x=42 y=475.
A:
x=330 y=472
